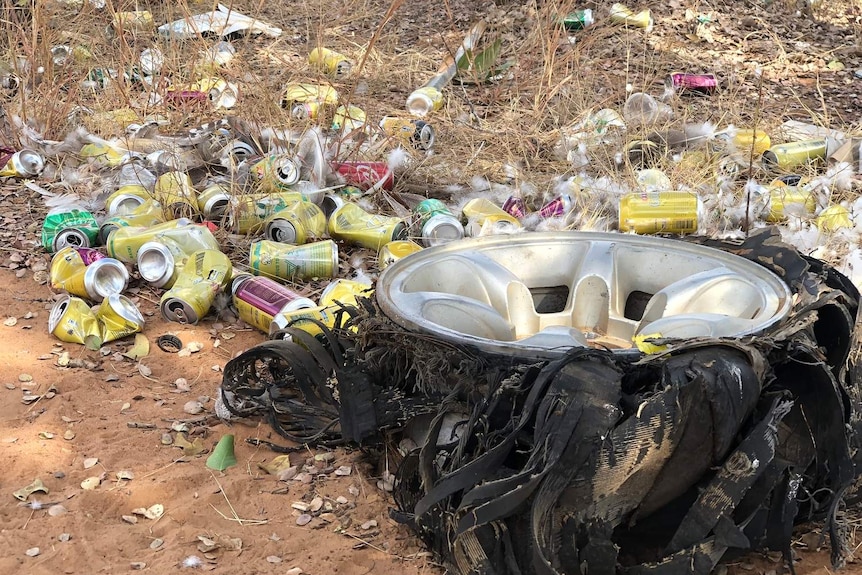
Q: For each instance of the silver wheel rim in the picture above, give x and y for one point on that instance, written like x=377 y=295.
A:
x=540 y=294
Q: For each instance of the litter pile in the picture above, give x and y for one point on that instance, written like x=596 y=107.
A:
x=596 y=459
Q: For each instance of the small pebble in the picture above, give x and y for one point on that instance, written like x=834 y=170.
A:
x=353 y=490
x=137 y=565
x=193 y=407
x=56 y=510
x=273 y=559
x=167 y=439
x=293 y=571
x=316 y=504
x=344 y=470
x=369 y=524
x=341 y=500
x=59 y=475
x=32 y=552
x=64 y=537
x=303 y=519
x=157 y=543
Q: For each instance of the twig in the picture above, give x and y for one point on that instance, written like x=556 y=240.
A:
x=375 y=547
x=32 y=511
x=153 y=472
x=236 y=517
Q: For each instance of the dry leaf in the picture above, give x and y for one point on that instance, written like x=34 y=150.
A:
x=46 y=435
x=140 y=349
x=125 y=474
x=90 y=462
x=125 y=406
x=195 y=346
x=63 y=360
x=90 y=483
x=25 y=377
x=69 y=435
x=277 y=465
x=56 y=510
x=144 y=370
x=189 y=448
x=11 y=321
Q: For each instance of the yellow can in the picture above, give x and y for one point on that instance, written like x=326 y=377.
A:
x=275 y=173
x=834 y=218
x=297 y=224
x=103 y=154
x=424 y=100
x=252 y=315
x=304 y=319
x=146 y=215
x=126 y=199
x=782 y=197
x=794 y=154
x=659 y=212
x=71 y=320
x=204 y=275
x=296 y=93
x=349 y=118
x=95 y=281
x=620 y=14
x=118 y=317
x=353 y=224
x=308 y=261
x=174 y=191
x=479 y=210
x=124 y=243
x=134 y=21
x=344 y=292
x=746 y=139
x=331 y=62
x=213 y=201
x=394 y=251
x=248 y=213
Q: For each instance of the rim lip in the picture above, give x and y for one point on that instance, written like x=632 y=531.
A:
x=392 y=278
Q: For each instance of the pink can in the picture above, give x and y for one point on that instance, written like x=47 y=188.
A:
x=559 y=206
x=700 y=83
x=515 y=207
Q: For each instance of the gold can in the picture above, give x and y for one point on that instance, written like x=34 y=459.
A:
x=331 y=62
x=409 y=132
x=248 y=213
x=275 y=173
x=782 y=197
x=353 y=224
x=71 y=320
x=204 y=275
x=620 y=14
x=118 y=317
x=422 y=101
x=344 y=292
x=480 y=209
x=297 y=224
x=95 y=281
x=174 y=191
x=659 y=212
x=834 y=218
x=252 y=315
x=23 y=164
x=349 y=118
x=394 y=251
x=794 y=154
x=308 y=261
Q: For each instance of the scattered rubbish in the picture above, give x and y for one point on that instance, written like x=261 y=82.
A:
x=91 y=483
x=36 y=487
x=222 y=22
x=153 y=512
x=169 y=343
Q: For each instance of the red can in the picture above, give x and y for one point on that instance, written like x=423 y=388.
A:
x=363 y=174
x=700 y=83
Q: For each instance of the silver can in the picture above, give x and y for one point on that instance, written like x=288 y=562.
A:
x=441 y=229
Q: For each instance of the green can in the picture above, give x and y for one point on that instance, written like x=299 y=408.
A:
x=427 y=209
x=578 y=20
x=75 y=228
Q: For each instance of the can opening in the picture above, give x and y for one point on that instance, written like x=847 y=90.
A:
x=71 y=238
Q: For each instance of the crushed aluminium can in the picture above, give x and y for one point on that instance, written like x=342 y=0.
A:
x=409 y=132
x=578 y=20
x=746 y=139
x=259 y=299
x=343 y=292
x=71 y=320
x=126 y=199
x=352 y=224
x=787 y=199
x=331 y=62
x=124 y=243
x=146 y=215
x=23 y=164
x=118 y=317
x=394 y=251
x=794 y=154
x=307 y=261
x=365 y=175
x=175 y=192
x=297 y=224
x=213 y=201
x=87 y=273
x=620 y=14
x=275 y=173
x=323 y=95
x=204 y=275
x=481 y=216
x=697 y=83
x=670 y=212
x=349 y=118
x=438 y=224
x=304 y=319
x=73 y=227
x=515 y=207
x=133 y=21
x=422 y=101
x=559 y=206
x=249 y=212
